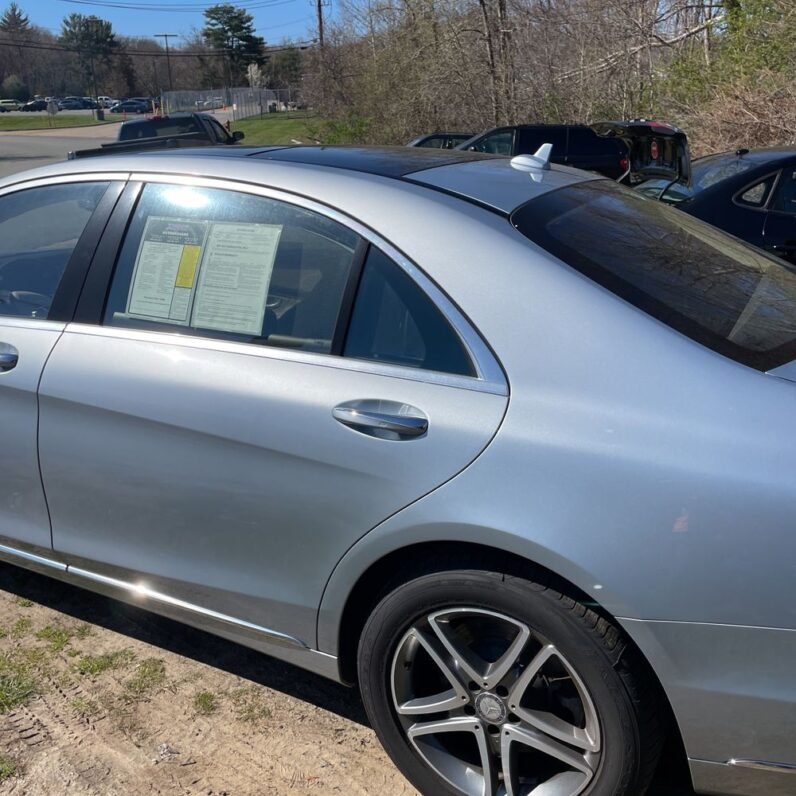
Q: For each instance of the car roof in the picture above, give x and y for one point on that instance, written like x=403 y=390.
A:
x=487 y=180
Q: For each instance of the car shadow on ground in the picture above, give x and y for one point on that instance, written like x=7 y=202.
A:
x=167 y=634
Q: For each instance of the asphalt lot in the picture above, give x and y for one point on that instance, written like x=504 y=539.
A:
x=288 y=694
x=27 y=150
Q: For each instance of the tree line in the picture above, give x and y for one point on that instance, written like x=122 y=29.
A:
x=725 y=70
x=87 y=57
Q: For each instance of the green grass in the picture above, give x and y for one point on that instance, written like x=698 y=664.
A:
x=149 y=674
x=18 y=682
x=56 y=637
x=97 y=664
x=205 y=703
x=21 y=627
x=41 y=121
x=278 y=128
x=7 y=768
x=23 y=602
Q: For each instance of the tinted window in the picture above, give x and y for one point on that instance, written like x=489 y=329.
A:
x=785 y=201
x=498 y=143
x=225 y=264
x=728 y=296
x=394 y=321
x=756 y=195
x=531 y=138
x=222 y=136
x=583 y=140
x=39 y=229
x=158 y=128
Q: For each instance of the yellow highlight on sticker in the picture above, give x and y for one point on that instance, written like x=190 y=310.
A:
x=188 y=262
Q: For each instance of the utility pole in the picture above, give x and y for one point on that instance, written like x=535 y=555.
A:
x=320 y=22
x=166 y=37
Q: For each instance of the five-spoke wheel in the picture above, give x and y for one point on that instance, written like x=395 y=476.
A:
x=481 y=685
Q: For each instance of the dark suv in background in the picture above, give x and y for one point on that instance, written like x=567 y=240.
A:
x=573 y=145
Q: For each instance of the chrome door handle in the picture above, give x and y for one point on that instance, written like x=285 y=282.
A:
x=379 y=419
x=8 y=361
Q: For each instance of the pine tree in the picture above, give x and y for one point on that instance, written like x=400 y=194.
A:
x=14 y=21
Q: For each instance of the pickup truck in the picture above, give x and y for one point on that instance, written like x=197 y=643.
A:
x=174 y=130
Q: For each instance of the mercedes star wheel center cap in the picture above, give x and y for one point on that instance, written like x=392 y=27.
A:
x=491 y=709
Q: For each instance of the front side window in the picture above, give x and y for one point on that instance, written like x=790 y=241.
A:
x=39 y=229
x=394 y=322
x=498 y=143
x=727 y=295
x=785 y=201
x=230 y=265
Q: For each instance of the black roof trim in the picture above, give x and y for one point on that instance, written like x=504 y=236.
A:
x=394 y=161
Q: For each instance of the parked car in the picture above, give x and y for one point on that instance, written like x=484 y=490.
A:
x=130 y=106
x=750 y=193
x=34 y=105
x=71 y=104
x=201 y=126
x=106 y=102
x=573 y=145
x=10 y=104
x=441 y=140
x=214 y=103
x=176 y=130
x=504 y=443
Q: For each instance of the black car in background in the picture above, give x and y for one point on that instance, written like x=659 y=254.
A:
x=749 y=193
x=574 y=145
x=441 y=140
x=34 y=105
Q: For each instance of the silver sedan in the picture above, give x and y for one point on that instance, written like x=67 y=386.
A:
x=504 y=444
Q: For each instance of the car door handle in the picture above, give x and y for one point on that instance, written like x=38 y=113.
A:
x=8 y=361
x=382 y=419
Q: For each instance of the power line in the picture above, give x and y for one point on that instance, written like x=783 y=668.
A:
x=173 y=7
x=221 y=52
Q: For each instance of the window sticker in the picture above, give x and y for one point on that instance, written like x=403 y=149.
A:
x=165 y=269
x=234 y=277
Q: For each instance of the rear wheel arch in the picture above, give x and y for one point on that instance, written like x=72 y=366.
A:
x=404 y=564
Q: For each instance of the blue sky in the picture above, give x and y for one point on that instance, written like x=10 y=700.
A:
x=286 y=19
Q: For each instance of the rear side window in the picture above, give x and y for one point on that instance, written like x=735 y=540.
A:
x=393 y=321
x=39 y=229
x=756 y=195
x=229 y=265
x=720 y=292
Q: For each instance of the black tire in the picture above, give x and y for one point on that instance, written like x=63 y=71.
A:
x=623 y=691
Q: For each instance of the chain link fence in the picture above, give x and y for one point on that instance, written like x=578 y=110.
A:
x=243 y=102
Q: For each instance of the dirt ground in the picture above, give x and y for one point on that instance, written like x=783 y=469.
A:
x=128 y=703
x=114 y=701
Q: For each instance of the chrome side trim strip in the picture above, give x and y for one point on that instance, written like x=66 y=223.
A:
x=288 y=355
x=30 y=559
x=25 y=182
x=145 y=593
x=764 y=765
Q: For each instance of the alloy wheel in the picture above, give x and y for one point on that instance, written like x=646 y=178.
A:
x=493 y=707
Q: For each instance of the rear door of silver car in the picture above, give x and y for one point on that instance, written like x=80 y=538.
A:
x=229 y=420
